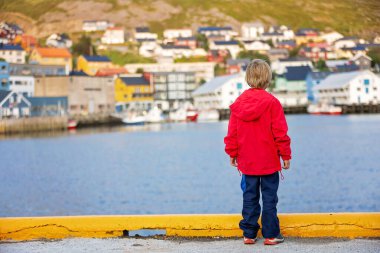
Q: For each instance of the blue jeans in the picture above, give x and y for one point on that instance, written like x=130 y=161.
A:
x=251 y=205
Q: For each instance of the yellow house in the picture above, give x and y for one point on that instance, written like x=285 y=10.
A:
x=51 y=56
x=134 y=91
x=90 y=64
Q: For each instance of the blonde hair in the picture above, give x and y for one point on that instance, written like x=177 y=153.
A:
x=258 y=74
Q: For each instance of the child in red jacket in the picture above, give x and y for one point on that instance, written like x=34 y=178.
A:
x=256 y=139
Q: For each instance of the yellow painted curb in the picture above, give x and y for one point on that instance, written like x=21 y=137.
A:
x=349 y=225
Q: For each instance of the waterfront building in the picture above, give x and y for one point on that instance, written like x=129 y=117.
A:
x=12 y=53
x=290 y=87
x=52 y=56
x=220 y=92
x=204 y=71
x=313 y=79
x=4 y=75
x=280 y=65
x=13 y=104
x=36 y=70
x=293 y=80
x=134 y=91
x=113 y=35
x=86 y=94
x=22 y=84
x=349 y=88
x=172 y=89
x=48 y=106
x=90 y=64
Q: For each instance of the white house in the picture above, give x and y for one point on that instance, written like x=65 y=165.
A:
x=12 y=53
x=14 y=104
x=173 y=51
x=345 y=42
x=204 y=71
x=59 y=40
x=148 y=48
x=227 y=32
x=143 y=33
x=220 y=92
x=256 y=45
x=252 y=30
x=171 y=34
x=232 y=46
x=113 y=35
x=280 y=65
x=286 y=31
x=96 y=25
x=349 y=88
x=331 y=37
x=22 y=84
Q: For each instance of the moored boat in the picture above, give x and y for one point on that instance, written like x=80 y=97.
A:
x=208 y=115
x=72 y=124
x=324 y=109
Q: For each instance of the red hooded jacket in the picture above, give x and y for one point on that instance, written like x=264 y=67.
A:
x=257 y=133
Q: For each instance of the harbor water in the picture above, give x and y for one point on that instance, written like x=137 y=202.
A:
x=182 y=168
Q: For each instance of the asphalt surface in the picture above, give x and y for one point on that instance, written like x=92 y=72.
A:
x=142 y=245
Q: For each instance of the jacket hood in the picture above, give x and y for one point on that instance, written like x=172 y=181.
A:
x=250 y=105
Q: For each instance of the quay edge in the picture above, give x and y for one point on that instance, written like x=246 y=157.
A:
x=338 y=225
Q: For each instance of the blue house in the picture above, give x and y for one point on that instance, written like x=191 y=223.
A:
x=13 y=104
x=293 y=80
x=312 y=80
x=4 y=75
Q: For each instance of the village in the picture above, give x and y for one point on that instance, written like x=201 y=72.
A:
x=114 y=75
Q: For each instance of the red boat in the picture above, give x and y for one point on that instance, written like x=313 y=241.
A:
x=72 y=124
x=191 y=115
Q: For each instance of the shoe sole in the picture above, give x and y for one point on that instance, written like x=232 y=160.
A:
x=273 y=243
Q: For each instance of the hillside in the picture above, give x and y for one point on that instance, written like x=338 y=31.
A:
x=42 y=17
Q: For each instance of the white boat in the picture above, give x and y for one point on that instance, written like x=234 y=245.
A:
x=324 y=109
x=183 y=114
x=208 y=115
x=154 y=115
x=134 y=118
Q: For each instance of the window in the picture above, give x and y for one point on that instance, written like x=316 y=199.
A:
x=359 y=89
x=366 y=90
x=239 y=86
x=366 y=81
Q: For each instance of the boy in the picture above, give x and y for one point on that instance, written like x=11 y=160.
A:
x=256 y=139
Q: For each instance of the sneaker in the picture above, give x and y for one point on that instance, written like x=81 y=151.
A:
x=273 y=241
x=249 y=240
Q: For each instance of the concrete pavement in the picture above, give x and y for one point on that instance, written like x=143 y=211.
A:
x=178 y=245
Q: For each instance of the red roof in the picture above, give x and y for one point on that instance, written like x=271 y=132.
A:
x=53 y=52
x=110 y=71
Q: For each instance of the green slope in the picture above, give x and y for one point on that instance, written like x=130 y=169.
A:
x=347 y=16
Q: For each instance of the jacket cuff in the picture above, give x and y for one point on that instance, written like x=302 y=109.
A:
x=286 y=157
